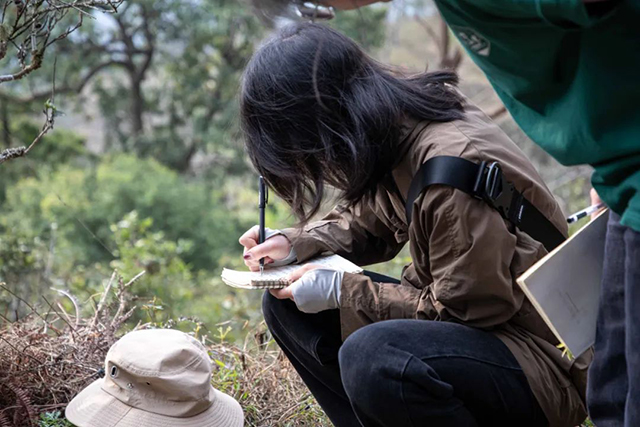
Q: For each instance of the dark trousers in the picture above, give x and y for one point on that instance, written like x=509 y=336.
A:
x=404 y=372
x=613 y=394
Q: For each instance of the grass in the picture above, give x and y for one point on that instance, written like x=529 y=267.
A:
x=47 y=357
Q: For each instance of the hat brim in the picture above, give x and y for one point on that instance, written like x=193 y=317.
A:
x=93 y=407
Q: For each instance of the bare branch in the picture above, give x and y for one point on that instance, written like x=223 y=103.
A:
x=6 y=288
x=31 y=28
x=63 y=89
x=50 y=113
x=73 y=301
x=35 y=64
x=34 y=26
x=103 y=299
x=3 y=40
x=12 y=153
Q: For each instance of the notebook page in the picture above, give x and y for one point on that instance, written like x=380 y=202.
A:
x=245 y=278
x=276 y=276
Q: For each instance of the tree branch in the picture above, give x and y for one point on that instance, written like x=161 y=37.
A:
x=50 y=111
x=35 y=64
x=32 y=29
x=150 y=44
x=77 y=88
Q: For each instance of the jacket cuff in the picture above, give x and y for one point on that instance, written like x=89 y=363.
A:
x=358 y=303
x=304 y=244
x=398 y=301
x=363 y=301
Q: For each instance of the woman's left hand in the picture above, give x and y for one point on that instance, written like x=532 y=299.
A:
x=312 y=288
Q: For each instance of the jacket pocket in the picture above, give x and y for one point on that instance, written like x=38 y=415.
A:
x=528 y=252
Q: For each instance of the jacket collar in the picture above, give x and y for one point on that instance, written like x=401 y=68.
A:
x=403 y=172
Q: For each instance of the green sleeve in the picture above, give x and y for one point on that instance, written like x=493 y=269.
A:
x=573 y=13
x=631 y=216
x=569 y=14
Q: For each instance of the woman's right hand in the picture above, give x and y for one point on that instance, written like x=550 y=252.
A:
x=274 y=248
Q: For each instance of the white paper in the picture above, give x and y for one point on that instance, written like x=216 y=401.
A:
x=275 y=277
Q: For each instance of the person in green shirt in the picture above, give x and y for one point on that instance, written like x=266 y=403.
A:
x=569 y=73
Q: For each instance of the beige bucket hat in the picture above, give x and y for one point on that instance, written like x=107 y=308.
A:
x=155 y=378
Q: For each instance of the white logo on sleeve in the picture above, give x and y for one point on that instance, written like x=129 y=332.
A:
x=472 y=40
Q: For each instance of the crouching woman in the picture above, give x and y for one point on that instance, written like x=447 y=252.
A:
x=454 y=342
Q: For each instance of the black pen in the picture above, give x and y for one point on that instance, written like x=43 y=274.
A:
x=262 y=204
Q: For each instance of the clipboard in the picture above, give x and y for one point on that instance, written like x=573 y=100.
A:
x=564 y=286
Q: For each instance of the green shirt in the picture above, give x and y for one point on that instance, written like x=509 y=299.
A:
x=570 y=79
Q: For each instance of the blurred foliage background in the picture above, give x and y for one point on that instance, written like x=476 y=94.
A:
x=145 y=169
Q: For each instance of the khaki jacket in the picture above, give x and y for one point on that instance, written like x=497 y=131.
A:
x=465 y=256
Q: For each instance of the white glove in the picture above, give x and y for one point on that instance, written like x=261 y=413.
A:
x=289 y=259
x=317 y=290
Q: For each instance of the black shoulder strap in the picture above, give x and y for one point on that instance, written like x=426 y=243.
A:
x=486 y=182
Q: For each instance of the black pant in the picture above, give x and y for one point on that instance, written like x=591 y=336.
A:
x=404 y=372
x=613 y=395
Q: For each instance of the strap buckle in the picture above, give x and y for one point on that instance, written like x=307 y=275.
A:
x=493 y=188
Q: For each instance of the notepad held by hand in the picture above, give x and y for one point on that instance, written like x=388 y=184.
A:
x=276 y=278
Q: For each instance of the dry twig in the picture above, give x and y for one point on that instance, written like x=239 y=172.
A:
x=40 y=371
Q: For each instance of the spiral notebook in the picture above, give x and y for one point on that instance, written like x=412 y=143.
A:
x=276 y=278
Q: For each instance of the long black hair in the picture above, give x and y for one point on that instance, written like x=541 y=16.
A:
x=317 y=110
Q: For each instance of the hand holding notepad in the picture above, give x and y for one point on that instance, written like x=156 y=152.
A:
x=277 y=278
